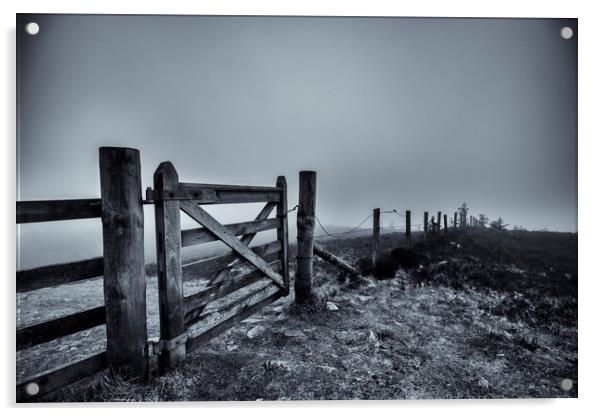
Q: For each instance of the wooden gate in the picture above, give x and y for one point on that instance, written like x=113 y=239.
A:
x=187 y=321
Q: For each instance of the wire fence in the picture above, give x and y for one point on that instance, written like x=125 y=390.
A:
x=358 y=229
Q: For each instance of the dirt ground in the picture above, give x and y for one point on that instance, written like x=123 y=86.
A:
x=485 y=315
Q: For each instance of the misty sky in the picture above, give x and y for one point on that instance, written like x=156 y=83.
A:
x=405 y=113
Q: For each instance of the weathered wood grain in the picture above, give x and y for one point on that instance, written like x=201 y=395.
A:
x=337 y=261
x=207 y=268
x=202 y=217
x=282 y=233
x=230 y=194
x=169 y=266
x=196 y=303
x=246 y=240
x=57 y=377
x=306 y=221
x=375 y=236
x=59 y=274
x=57 y=210
x=123 y=247
x=261 y=294
x=60 y=327
x=202 y=235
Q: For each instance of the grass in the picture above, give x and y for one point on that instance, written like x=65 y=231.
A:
x=495 y=317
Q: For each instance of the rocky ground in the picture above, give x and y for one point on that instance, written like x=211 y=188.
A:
x=479 y=315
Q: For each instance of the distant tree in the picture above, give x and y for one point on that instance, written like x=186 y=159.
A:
x=463 y=213
x=519 y=228
x=483 y=220
x=498 y=224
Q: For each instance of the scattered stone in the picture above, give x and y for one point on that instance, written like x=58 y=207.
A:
x=364 y=298
x=295 y=333
x=327 y=368
x=255 y=331
x=331 y=306
x=372 y=339
x=483 y=383
x=253 y=320
x=232 y=348
x=349 y=337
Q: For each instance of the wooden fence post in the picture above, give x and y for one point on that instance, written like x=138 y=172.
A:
x=426 y=223
x=169 y=269
x=375 y=236
x=438 y=221
x=282 y=214
x=455 y=220
x=408 y=228
x=445 y=222
x=123 y=247
x=305 y=236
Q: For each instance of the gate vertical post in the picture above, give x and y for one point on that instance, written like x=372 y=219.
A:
x=445 y=222
x=426 y=223
x=408 y=228
x=438 y=221
x=306 y=222
x=169 y=268
x=123 y=256
x=375 y=236
x=282 y=213
x=455 y=220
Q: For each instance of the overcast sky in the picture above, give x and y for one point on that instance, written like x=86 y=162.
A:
x=405 y=113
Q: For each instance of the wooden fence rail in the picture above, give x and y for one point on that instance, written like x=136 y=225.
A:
x=239 y=283
x=122 y=268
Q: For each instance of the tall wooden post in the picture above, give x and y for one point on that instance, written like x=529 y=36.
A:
x=169 y=269
x=305 y=236
x=426 y=223
x=282 y=213
x=408 y=228
x=445 y=222
x=123 y=247
x=455 y=220
x=375 y=236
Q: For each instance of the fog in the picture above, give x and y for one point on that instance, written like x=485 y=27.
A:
x=405 y=113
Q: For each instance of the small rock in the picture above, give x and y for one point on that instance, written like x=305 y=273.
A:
x=331 y=306
x=295 y=333
x=364 y=298
x=232 y=347
x=253 y=320
x=255 y=331
x=372 y=338
x=483 y=383
x=327 y=368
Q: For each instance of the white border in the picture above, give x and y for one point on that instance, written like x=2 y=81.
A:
x=590 y=68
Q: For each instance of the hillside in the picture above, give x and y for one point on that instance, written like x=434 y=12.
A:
x=483 y=315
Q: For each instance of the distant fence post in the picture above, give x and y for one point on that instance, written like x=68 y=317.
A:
x=438 y=220
x=455 y=220
x=169 y=269
x=408 y=228
x=375 y=236
x=445 y=222
x=282 y=213
x=426 y=223
x=123 y=246
x=305 y=236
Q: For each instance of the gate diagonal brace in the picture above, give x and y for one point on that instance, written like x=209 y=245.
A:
x=159 y=345
x=206 y=195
